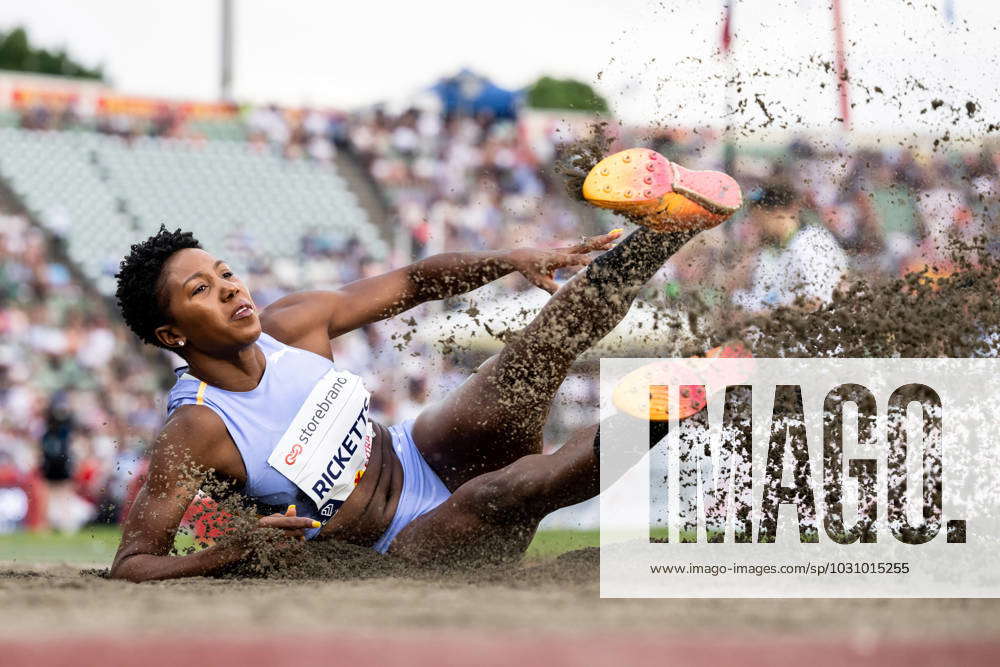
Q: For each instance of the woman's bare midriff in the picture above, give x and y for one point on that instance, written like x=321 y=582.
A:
x=368 y=511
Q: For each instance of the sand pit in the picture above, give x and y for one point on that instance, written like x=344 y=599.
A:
x=547 y=611
x=559 y=594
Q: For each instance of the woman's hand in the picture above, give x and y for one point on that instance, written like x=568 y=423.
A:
x=292 y=525
x=539 y=266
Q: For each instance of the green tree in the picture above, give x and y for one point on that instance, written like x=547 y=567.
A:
x=549 y=93
x=17 y=54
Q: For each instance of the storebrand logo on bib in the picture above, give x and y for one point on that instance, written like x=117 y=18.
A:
x=321 y=411
x=294 y=454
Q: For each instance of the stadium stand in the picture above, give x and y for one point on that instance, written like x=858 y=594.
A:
x=102 y=193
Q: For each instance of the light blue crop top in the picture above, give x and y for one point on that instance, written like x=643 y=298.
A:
x=257 y=420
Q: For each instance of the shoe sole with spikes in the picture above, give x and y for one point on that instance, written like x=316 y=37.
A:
x=659 y=194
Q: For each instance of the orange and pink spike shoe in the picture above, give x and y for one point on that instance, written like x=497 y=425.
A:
x=659 y=194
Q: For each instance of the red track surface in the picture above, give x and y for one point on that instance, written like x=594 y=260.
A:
x=451 y=650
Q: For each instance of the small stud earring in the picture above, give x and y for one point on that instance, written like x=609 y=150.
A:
x=180 y=343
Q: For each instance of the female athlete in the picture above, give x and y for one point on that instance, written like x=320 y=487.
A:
x=262 y=403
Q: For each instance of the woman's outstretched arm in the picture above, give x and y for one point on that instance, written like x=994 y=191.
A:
x=362 y=302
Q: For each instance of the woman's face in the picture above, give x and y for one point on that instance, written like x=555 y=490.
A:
x=211 y=308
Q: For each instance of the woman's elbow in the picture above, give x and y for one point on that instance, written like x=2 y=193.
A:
x=125 y=569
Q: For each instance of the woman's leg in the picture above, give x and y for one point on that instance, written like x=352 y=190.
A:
x=496 y=416
x=493 y=517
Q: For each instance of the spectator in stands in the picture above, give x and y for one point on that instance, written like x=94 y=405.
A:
x=57 y=464
x=795 y=260
x=66 y=511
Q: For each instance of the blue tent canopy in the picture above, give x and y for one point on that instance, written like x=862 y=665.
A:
x=470 y=93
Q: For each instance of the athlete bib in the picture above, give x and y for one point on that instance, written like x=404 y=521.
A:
x=327 y=445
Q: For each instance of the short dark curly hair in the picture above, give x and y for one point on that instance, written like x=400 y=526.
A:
x=139 y=292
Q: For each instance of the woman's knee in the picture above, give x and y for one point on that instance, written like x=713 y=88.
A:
x=511 y=493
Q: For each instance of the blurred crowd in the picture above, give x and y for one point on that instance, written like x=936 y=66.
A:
x=164 y=120
x=459 y=182
x=816 y=215
x=299 y=133
x=296 y=133
x=78 y=401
